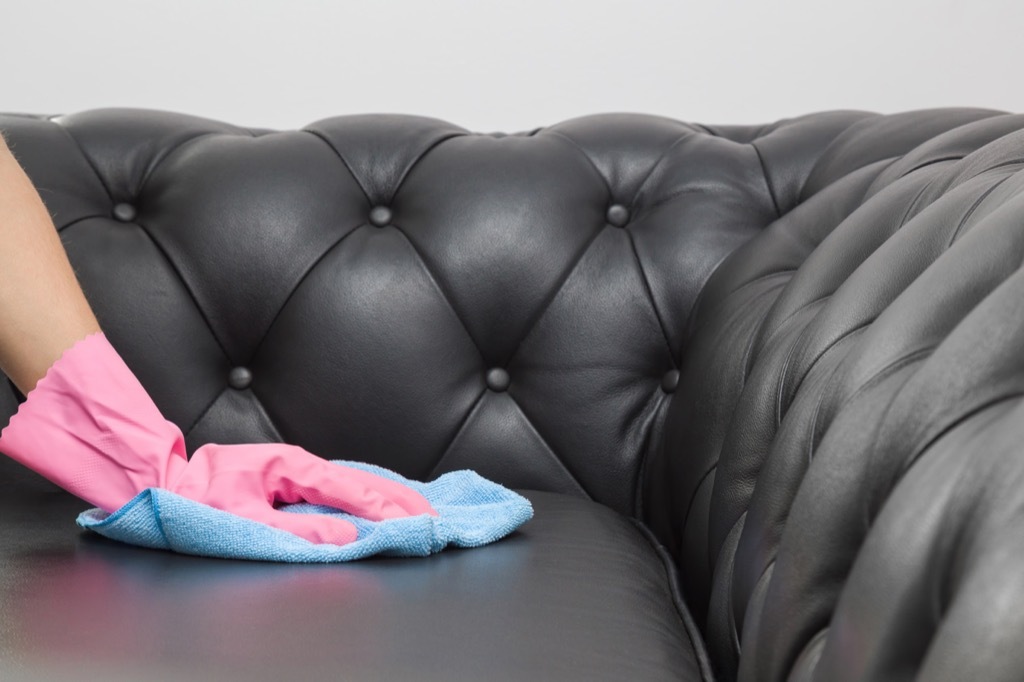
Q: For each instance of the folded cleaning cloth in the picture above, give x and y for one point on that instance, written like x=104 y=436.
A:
x=472 y=511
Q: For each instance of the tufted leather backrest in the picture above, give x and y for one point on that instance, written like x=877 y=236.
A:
x=795 y=349
x=398 y=289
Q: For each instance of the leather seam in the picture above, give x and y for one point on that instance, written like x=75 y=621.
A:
x=929 y=162
x=646 y=451
x=158 y=162
x=707 y=130
x=298 y=284
x=455 y=436
x=632 y=243
x=579 y=257
x=960 y=540
x=185 y=286
x=693 y=311
x=209 y=406
x=845 y=136
x=344 y=162
x=794 y=347
x=767 y=182
x=873 y=380
x=557 y=289
x=749 y=357
x=664 y=154
x=261 y=408
x=910 y=208
x=825 y=351
x=441 y=291
x=78 y=220
x=696 y=491
x=85 y=157
x=974 y=207
x=405 y=172
x=675 y=590
x=562 y=136
x=575 y=479
x=950 y=426
x=650 y=298
x=416 y=161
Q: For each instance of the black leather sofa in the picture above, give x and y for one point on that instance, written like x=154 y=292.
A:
x=762 y=384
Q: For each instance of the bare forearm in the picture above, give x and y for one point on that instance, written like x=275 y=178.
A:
x=43 y=310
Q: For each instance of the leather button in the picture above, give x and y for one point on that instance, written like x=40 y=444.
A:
x=497 y=379
x=670 y=380
x=240 y=378
x=124 y=212
x=380 y=216
x=618 y=215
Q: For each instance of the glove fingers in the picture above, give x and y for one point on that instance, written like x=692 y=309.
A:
x=370 y=496
x=355 y=491
x=318 y=528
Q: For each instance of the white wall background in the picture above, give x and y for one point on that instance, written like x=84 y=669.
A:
x=509 y=65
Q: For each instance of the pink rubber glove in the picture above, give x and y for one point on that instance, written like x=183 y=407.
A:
x=90 y=427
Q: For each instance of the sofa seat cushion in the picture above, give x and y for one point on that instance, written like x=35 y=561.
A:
x=579 y=592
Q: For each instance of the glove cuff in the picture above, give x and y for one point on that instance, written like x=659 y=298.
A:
x=90 y=427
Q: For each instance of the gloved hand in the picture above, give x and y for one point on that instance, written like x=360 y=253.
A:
x=90 y=427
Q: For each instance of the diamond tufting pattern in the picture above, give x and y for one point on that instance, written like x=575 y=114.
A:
x=792 y=350
x=369 y=271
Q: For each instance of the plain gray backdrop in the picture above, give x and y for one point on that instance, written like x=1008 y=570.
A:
x=509 y=66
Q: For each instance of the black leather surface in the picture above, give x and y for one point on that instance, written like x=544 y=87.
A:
x=568 y=256
x=844 y=455
x=793 y=350
x=578 y=593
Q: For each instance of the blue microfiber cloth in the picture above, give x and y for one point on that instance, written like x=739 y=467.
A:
x=472 y=511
